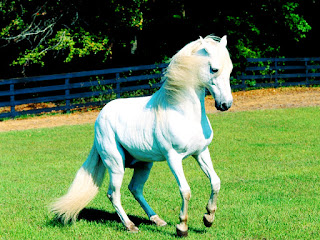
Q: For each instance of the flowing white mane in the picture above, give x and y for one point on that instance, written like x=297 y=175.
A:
x=183 y=72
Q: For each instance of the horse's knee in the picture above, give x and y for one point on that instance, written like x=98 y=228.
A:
x=140 y=176
x=114 y=193
x=216 y=185
x=186 y=195
x=134 y=189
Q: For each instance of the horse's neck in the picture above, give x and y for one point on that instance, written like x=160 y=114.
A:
x=190 y=105
x=193 y=105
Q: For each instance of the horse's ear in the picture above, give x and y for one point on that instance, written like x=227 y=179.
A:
x=223 y=41
x=202 y=41
x=204 y=44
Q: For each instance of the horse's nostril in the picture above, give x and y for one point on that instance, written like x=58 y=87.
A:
x=224 y=106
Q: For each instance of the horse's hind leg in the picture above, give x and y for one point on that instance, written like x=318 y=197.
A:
x=113 y=157
x=139 y=178
x=114 y=196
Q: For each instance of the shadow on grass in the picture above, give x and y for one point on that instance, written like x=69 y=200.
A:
x=98 y=216
x=101 y=216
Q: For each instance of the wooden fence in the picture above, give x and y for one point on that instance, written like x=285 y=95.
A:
x=278 y=72
x=75 y=90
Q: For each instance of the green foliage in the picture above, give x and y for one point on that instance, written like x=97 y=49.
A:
x=297 y=24
x=262 y=24
x=130 y=14
x=77 y=43
x=59 y=28
x=106 y=91
x=49 y=32
x=268 y=162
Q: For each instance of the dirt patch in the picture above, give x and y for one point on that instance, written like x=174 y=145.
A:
x=270 y=99
x=49 y=121
x=243 y=101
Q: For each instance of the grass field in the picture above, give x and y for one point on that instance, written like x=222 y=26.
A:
x=268 y=162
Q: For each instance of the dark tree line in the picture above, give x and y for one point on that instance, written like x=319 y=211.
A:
x=45 y=37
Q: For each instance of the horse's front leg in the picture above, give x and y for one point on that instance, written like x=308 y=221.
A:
x=205 y=163
x=175 y=163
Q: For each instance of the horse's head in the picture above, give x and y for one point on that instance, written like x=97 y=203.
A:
x=215 y=73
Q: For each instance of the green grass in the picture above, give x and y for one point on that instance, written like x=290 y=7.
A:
x=268 y=162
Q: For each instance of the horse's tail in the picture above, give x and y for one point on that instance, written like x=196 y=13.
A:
x=84 y=188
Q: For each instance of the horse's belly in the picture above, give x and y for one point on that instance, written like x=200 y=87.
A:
x=141 y=146
x=146 y=156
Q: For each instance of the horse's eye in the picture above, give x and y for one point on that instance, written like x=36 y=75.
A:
x=213 y=70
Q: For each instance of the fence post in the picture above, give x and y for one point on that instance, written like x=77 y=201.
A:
x=276 y=84
x=244 y=86
x=307 y=79
x=12 y=101
x=67 y=94
x=118 y=85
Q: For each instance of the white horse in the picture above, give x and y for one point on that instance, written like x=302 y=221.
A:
x=169 y=125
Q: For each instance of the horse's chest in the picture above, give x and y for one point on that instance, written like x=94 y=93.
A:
x=191 y=140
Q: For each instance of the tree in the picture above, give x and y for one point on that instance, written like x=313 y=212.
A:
x=67 y=34
x=66 y=30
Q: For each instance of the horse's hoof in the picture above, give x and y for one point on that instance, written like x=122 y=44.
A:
x=182 y=233
x=182 y=230
x=158 y=221
x=208 y=219
x=132 y=228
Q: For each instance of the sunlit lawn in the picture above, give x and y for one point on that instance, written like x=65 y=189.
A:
x=268 y=162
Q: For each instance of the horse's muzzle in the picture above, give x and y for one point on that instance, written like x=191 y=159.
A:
x=223 y=106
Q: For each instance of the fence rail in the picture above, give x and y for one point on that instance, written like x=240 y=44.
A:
x=276 y=72
x=90 y=88
x=68 y=90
